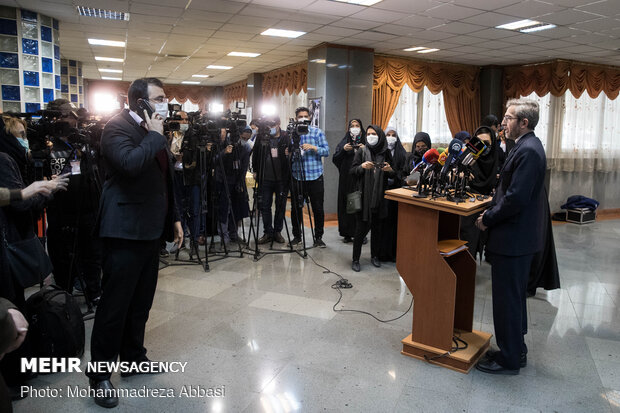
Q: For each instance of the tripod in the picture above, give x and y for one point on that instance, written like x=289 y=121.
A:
x=264 y=148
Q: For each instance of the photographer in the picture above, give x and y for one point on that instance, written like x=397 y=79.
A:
x=71 y=216
x=308 y=171
x=270 y=160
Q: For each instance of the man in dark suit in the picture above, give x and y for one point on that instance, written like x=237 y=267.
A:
x=136 y=211
x=515 y=222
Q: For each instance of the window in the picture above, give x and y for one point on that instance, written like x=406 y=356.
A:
x=543 y=128
x=188 y=106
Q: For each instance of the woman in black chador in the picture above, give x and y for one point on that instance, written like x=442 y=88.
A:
x=389 y=225
x=372 y=166
x=345 y=151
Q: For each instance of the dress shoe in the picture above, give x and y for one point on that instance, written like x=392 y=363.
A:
x=277 y=237
x=492 y=354
x=491 y=367
x=346 y=240
x=264 y=239
x=201 y=240
x=294 y=241
x=105 y=396
x=375 y=261
x=355 y=266
x=319 y=243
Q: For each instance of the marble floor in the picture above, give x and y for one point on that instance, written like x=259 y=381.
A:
x=265 y=332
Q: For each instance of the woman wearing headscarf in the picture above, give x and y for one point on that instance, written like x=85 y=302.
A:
x=389 y=225
x=421 y=144
x=372 y=166
x=343 y=158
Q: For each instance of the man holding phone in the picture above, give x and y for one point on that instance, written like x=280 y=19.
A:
x=137 y=210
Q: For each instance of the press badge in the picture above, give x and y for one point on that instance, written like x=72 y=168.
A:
x=274 y=152
x=75 y=167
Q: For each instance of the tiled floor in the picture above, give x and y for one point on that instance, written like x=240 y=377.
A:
x=266 y=332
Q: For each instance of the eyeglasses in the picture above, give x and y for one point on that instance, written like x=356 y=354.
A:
x=510 y=117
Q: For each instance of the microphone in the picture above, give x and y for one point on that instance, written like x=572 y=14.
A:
x=430 y=157
x=477 y=147
x=454 y=150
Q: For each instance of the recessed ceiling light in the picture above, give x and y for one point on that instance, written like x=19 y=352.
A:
x=218 y=67
x=518 y=24
x=111 y=78
x=109 y=59
x=190 y=82
x=111 y=70
x=243 y=54
x=427 y=50
x=102 y=14
x=100 y=42
x=282 y=33
x=538 y=28
x=359 y=2
x=414 y=49
x=200 y=75
x=322 y=61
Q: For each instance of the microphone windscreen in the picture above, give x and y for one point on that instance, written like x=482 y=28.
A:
x=431 y=156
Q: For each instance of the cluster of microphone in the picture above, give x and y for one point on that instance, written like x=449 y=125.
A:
x=446 y=172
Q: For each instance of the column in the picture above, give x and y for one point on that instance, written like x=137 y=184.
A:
x=72 y=82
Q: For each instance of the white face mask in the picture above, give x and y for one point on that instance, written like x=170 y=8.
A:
x=161 y=108
x=391 y=140
x=24 y=143
x=372 y=140
x=355 y=131
x=184 y=127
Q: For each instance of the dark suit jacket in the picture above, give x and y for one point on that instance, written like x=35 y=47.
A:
x=137 y=202
x=516 y=218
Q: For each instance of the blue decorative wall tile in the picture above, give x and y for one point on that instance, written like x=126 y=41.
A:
x=8 y=27
x=48 y=65
x=64 y=70
x=72 y=63
x=30 y=46
x=57 y=80
x=72 y=80
x=46 y=33
x=33 y=107
x=74 y=98
x=9 y=60
x=55 y=24
x=80 y=72
x=48 y=95
x=29 y=16
x=81 y=90
x=10 y=92
x=31 y=78
x=64 y=88
x=56 y=52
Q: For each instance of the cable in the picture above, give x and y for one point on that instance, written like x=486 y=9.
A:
x=343 y=283
x=456 y=340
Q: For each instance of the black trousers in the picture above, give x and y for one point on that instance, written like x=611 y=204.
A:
x=315 y=190
x=129 y=279
x=361 y=229
x=267 y=189
x=509 y=284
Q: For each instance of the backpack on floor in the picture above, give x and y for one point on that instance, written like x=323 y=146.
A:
x=56 y=323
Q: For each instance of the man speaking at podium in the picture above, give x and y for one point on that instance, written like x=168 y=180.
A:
x=516 y=222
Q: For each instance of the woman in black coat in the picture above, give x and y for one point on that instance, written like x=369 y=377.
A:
x=343 y=157
x=389 y=225
x=421 y=143
x=372 y=166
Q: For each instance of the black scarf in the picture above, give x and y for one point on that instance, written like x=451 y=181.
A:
x=485 y=167
x=11 y=146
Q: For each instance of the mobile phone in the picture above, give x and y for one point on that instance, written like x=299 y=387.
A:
x=142 y=106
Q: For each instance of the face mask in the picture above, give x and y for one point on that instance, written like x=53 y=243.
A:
x=24 y=143
x=391 y=140
x=304 y=119
x=355 y=131
x=254 y=131
x=273 y=131
x=162 y=109
x=372 y=139
x=184 y=127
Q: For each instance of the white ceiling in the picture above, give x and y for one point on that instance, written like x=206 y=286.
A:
x=207 y=30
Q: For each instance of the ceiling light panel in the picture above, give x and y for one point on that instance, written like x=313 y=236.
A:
x=282 y=33
x=219 y=67
x=102 y=14
x=109 y=59
x=243 y=54
x=101 y=42
x=111 y=70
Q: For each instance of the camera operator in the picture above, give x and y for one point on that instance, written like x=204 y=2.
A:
x=71 y=216
x=234 y=155
x=270 y=160
x=313 y=146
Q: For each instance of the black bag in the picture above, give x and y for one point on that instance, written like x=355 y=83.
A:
x=354 y=202
x=56 y=323
x=27 y=261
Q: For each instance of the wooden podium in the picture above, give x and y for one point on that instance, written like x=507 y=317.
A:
x=442 y=286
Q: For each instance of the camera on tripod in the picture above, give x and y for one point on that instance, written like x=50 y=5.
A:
x=296 y=127
x=172 y=123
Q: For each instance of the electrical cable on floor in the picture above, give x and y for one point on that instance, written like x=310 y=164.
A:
x=343 y=283
x=456 y=340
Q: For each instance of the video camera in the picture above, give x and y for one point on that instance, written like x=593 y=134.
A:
x=172 y=123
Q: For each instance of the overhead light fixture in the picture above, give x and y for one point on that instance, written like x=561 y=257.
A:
x=216 y=107
x=102 y=14
x=518 y=25
x=109 y=59
x=427 y=50
x=190 y=82
x=292 y=34
x=322 y=61
x=111 y=70
x=243 y=54
x=111 y=78
x=100 y=42
x=218 y=67
x=538 y=28
x=414 y=49
x=359 y=2
x=200 y=76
